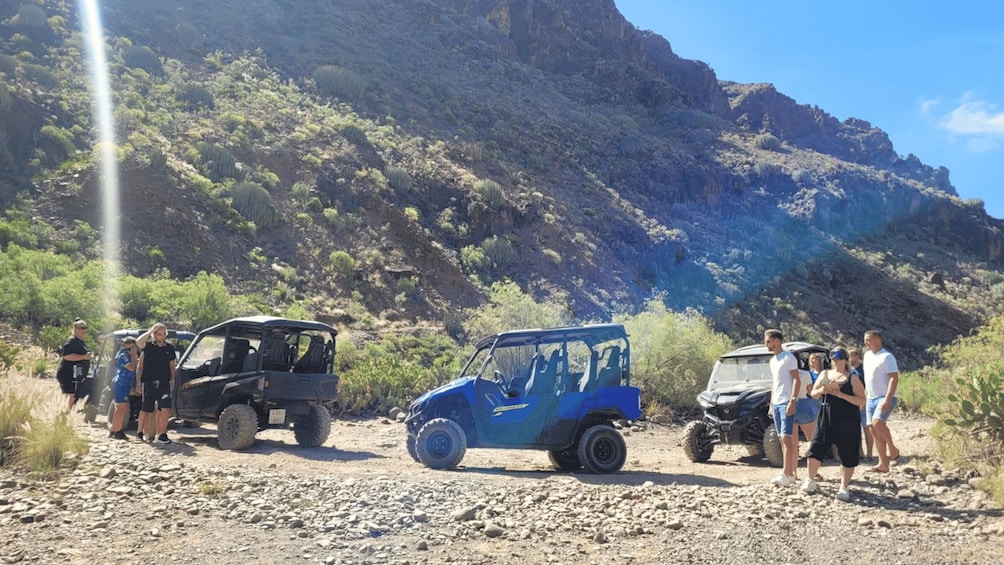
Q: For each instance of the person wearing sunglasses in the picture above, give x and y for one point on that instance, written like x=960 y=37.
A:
x=841 y=397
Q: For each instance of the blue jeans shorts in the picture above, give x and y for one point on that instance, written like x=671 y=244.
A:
x=121 y=389
x=873 y=405
x=785 y=425
x=806 y=410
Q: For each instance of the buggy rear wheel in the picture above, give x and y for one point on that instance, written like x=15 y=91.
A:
x=237 y=426
x=696 y=444
x=312 y=429
x=602 y=450
x=772 y=447
x=566 y=459
x=441 y=444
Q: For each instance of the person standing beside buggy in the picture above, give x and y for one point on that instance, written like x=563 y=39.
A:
x=76 y=362
x=786 y=381
x=123 y=386
x=841 y=397
x=155 y=374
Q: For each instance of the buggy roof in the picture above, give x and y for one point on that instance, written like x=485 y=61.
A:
x=761 y=350
x=590 y=335
x=255 y=324
x=119 y=335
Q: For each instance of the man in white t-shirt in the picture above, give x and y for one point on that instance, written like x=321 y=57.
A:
x=786 y=381
x=881 y=382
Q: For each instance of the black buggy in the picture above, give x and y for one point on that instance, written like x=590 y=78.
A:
x=248 y=374
x=736 y=404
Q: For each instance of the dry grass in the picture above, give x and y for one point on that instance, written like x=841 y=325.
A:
x=35 y=433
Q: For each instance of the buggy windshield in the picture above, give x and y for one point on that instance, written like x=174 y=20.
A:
x=731 y=372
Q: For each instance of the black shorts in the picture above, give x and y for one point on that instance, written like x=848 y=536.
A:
x=67 y=384
x=156 y=392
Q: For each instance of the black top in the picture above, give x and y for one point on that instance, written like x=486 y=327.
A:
x=839 y=407
x=66 y=368
x=157 y=362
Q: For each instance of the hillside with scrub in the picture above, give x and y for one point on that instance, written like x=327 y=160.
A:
x=408 y=169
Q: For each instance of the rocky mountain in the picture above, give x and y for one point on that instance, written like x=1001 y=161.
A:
x=447 y=144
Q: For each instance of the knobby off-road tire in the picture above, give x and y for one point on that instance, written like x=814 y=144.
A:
x=410 y=443
x=565 y=459
x=237 y=427
x=755 y=449
x=441 y=444
x=602 y=450
x=694 y=444
x=312 y=429
x=772 y=447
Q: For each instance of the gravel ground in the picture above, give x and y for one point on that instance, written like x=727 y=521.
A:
x=361 y=499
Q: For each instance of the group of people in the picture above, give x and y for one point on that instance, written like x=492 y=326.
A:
x=144 y=367
x=834 y=407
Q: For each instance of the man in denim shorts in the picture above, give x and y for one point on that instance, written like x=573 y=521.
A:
x=881 y=381
x=786 y=382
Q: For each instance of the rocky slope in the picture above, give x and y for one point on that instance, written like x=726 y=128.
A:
x=622 y=170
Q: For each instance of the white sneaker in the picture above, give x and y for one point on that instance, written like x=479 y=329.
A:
x=844 y=494
x=809 y=486
x=783 y=480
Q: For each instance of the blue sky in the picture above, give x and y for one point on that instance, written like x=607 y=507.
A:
x=928 y=73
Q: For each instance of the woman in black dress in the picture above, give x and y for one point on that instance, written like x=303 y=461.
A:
x=840 y=400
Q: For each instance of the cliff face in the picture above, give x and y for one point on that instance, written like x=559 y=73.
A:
x=605 y=167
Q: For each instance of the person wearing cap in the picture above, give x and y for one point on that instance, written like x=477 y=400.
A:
x=841 y=397
x=123 y=385
x=75 y=363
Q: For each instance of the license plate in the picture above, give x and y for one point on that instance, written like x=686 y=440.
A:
x=277 y=416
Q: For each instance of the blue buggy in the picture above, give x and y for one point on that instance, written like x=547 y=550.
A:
x=555 y=389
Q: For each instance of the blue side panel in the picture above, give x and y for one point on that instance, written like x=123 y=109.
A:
x=624 y=399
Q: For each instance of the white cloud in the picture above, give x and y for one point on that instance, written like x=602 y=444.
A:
x=975 y=118
x=927 y=106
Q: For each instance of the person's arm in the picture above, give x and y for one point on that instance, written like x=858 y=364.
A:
x=890 y=391
x=818 y=389
x=173 y=366
x=141 y=340
x=858 y=396
x=139 y=371
x=796 y=381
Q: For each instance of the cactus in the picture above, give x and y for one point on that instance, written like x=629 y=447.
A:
x=253 y=202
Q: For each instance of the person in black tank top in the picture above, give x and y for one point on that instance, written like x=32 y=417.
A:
x=841 y=396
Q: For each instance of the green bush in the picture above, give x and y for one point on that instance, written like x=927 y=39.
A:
x=510 y=308
x=142 y=57
x=195 y=97
x=47 y=447
x=394 y=371
x=766 y=142
x=398 y=178
x=216 y=161
x=341 y=263
x=8 y=354
x=672 y=354
x=337 y=81
x=978 y=408
x=8 y=65
x=42 y=76
x=253 y=202
x=490 y=192
x=355 y=135
x=500 y=252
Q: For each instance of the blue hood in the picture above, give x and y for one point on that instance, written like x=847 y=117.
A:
x=444 y=389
